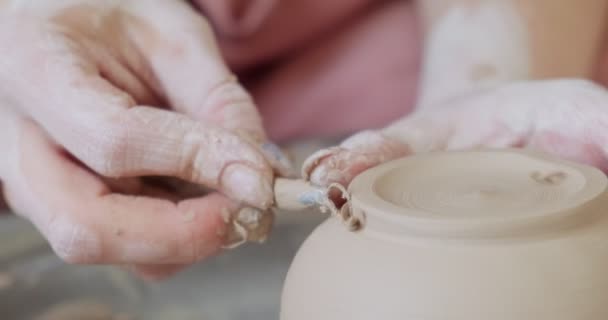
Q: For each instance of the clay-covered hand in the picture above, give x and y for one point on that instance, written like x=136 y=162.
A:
x=92 y=91
x=567 y=118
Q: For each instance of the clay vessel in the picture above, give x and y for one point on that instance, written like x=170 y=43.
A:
x=479 y=235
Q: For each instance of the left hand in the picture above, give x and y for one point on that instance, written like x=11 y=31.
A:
x=94 y=96
x=566 y=118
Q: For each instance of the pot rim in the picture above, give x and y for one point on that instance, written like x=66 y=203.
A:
x=382 y=217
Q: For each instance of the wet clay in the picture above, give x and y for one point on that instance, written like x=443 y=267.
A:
x=247 y=225
x=487 y=234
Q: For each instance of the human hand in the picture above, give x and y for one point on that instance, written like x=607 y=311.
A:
x=566 y=118
x=83 y=85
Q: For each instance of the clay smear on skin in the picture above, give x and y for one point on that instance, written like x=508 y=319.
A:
x=247 y=225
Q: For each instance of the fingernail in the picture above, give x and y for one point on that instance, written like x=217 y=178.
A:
x=247 y=225
x=311 y=163
x=278 y=157
x=243 y=183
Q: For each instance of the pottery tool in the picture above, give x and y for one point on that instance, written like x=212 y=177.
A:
x=293 y=195
x=297 y=194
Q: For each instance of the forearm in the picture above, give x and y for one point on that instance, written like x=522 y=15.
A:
x=474 y=44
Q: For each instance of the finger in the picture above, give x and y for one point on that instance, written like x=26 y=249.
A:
x=189 y=67
x=516 y=115
x=148 y=141
x=122 y=77
x=86 y=224
x=101 y=126
x=117 y=139
x=412 y=134
x=193 y=76
x=355 y=155
x=563 y=118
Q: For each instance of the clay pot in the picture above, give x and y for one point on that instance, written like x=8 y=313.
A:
x=480 y=235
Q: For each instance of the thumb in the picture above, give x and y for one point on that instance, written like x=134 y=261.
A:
x=424 y=131
x=192 y=75
x=354 y=155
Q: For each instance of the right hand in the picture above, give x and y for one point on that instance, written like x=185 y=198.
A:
x=566 y=118
x=93 y=91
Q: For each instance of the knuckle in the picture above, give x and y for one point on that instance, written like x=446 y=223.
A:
x=230 y=104
x=246 y=151
x=221 y=147
x=75 y=242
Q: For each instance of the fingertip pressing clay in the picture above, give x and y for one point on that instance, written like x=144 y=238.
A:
x=488 y=234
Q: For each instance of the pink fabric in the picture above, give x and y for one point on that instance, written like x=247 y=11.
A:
x=321 y=68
